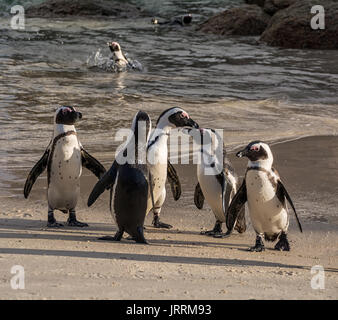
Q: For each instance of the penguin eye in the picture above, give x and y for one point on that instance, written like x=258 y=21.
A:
x=254 y=148
x=184 y=115
x=65 y=110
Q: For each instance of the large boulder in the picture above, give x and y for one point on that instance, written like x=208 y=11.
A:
x=272 y=6
x=248 y=20
x=64 y=8
x=291 y=27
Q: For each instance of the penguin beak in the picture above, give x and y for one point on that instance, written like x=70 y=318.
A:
x=242 y=153
x=79 y=115
x=113 y=46
x=191 y=123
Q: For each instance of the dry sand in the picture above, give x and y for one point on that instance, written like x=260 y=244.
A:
x=70 y=263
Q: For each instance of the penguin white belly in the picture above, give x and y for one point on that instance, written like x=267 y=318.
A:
x=266 y=211
x=158 y=170
x=65 y=172
x=212 y=192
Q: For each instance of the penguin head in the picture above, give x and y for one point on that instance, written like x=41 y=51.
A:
x=205 y=137
x=114 y=46
x=186 y=19
x=134 y=148
x=256 y=151
x=176 y=118
x=118 y=55
x=141 y=125
x=67 y=115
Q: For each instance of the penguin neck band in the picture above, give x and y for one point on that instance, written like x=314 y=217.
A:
x=154 y=140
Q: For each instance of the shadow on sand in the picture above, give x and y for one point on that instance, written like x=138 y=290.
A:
x=90 y=234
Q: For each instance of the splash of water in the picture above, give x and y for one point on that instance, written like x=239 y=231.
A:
x=98 y=61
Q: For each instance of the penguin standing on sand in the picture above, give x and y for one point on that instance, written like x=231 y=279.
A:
x=64 y=158
x=132 y=182
x=266 y=196
x=157 y=155
x=217 y=180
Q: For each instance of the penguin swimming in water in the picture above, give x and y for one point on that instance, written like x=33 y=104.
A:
x=132 y=182
x=119 y=58
x=217 y=180
x=182 y=21
x=64 y=158
x=157 y=155
x=266 y=196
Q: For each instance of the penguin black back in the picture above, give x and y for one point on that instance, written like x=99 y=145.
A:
x=131 y=193
x=130 y=171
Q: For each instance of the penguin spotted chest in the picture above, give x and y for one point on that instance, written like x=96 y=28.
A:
x=63 y=158
x=66 y=169
x=217 y=180
x=266 y=195
x=159 y=165
x=269 y=218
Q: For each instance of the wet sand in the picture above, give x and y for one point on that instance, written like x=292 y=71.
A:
x=70 y=263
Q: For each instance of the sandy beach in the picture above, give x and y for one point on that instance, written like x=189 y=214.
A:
x=71 y=263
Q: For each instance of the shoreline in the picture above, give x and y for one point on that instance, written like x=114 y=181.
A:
x=70 y=263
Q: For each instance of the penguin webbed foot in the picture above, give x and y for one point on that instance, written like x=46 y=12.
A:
x=257 y=248
x=222 y=235
x=54 y=224
x=76 y=223
x=210 y=232
x=137 y=239
x=259 y=245
x=108 y=238
x=51 y=221
x=73 y=222
x=216 y=231
x=117 y=237
x=283 y=243
x=158 y=224
x=140 y=236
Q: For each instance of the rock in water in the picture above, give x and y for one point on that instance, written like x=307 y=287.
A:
x=291 y=27
x=64 y=8
x=272 y=6
x=248 y=20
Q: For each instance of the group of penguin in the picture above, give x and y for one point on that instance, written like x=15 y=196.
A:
x=139 y=184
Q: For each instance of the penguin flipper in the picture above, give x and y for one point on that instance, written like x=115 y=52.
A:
x=92 y=164
x=39 y=167
x=282 y=194
x=198 y=197
x=226 y=191
x=106 y=182
x=235 y=207
x=174 y=181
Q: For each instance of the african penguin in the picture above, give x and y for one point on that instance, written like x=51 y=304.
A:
x=157 y=155
x=64 y=158
x=119 y=58
x=266 y=196
x=132 y=182
x=217 y=179
x=179 y=21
